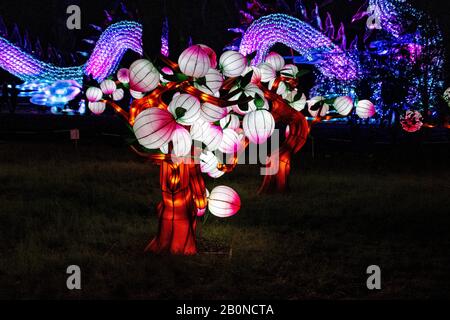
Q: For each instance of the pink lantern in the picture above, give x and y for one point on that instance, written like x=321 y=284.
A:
x=94 y=94
x=211 y=54
x=230 y=122
x=365 y=109
x=144 y=77
x=213 y=137
x=118 y=95
x=268 y=73
x=194 y=62
x=224 y=202
x=259 y=126
x=154 y=128
x=199 y=129
x=108 y=87
x=208 y=162
x=214 y=81
x=136 y=94
x=321 y=112
x=123 y=75
x=232 y=64
x=231 y=143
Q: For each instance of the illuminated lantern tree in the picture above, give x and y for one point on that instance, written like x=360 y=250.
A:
x=184 y=112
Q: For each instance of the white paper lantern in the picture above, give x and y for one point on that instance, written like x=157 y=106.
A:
x=136 y=94
x=276 y=61
x=199 y=129
x=118 y=95
x=94 y=94
x=251 y=90
x=268 y=73
x=154 y=128
x=232 y=64
x=290 y=70
x=123 y=75
x=97 y=108
x=208 y=162
x=212 y=113
x=224 y=202
x=320 y=112
x=343 y=105
x=231 y=143
x=216 y=174
x=211 y=54
x=230 y=122
x=194 y=62
x=300 y=104
x=108 y=87
x=165 y=149
x=182 y=142
x=213 y=137
x=214 y=81
x=259 y=126
x=144 y=77
x=191 y=106
x=365 y=109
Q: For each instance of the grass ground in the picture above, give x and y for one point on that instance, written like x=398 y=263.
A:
x=95 y=207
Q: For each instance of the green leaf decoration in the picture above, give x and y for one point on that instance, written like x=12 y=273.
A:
x=245 y=81
x=259 y=101
x=317 y=106
x=180 y=112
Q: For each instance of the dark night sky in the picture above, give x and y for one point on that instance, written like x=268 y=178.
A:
x=205 y=20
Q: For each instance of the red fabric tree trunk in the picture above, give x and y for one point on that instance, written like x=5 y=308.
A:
x=183 y=192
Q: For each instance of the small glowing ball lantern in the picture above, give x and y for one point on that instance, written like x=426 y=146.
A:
x=343 y=105
x=194 y=62
x=144 y=77
x=276 y=61
x=213 y=137
x=224 y=202
x=94 y=94
x=97 y=108
x=123 y=75
x=118 y=95
x=154 y=128
x=182 y=142
x=232 y=64
x=212 y=113
x=259 y=126
x=230 y=122
x=108 y=87
x=365 y=109
x=185 y=108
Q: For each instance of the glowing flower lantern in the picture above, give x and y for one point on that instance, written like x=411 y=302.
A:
x=365 y=109
x=412 y=121
x=343 y=105
x=268 y=73
x=224 y=202
x=259 y=126
x=231 y=142
x=154 y=128
x=256 y=76
x=211 y=54
x=185 y=108
x=232 y=64
x=213 y=137
x=253 y=91
x=212 y=113
x=144 y=77
x=213 y=82
x=182 y=142
x=194 y=62
x=108 y=87
x=94 y=94
x=231 y=121
x=282 y=88
x=276 y=61
x=123 y=75
x=118 y=95
x=299 y=104
x=97 y=108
